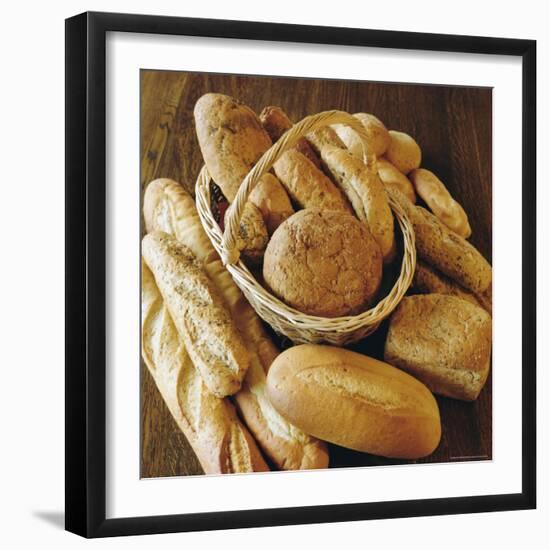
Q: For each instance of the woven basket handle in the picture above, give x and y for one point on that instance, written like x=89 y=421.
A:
x=286 y=141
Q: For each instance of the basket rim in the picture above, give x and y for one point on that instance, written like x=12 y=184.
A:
x=344 y=324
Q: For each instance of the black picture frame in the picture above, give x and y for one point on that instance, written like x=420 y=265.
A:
x=86 y=268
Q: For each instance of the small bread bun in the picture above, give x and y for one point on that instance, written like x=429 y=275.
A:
x=403 y=152
x=323 y=263
x=378 y=137
x=273 y=202
x=391 y=177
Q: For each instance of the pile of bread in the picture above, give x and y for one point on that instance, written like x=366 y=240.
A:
x=319 y=230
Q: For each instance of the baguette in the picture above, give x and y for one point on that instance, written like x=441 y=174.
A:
x=220 y=441
x=442 y=248
x=199 y=313
x=442 y=340
x=168 y=207
x=355 y=401
x=276 y=122
x=307 y=186
x=363 y=188
x=231 y=139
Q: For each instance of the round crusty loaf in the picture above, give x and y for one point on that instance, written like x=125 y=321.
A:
x=403 y=152
x=323 y=263
x=442 y=340
x=354 y=401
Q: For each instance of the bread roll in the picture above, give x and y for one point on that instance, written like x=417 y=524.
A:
x=442 y=248
x=322 y=137
x=323 y=263
x=199 y=313
x=434 y=193
x=378 y=137
x=444 y=341
x=365 y=191
x=220 y=441
x=252 y=237
x=355 y=401
x=167 y=206
x=307 y=185
x=403 y=152
x=231 y=139
x=273 y=202
x=391 y=177
x=276 y=122
x=428 y=280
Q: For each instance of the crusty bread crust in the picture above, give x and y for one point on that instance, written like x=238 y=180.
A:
x=391 y=177
x=220 y=441
x=276 y=122
x=231 y=139
x=361 y=184
x=272 y=200
x=444 y=341
x=323 y=263
x=355 y=401
x=445 y=250
x=199 y=313
x=378 y=137
x=168 y=207
x=307 y=186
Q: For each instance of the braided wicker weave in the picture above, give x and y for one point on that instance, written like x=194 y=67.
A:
x=297 y=326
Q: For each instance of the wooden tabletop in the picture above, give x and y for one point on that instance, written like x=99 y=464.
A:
x=452 y=125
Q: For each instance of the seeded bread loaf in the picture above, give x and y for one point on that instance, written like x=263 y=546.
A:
x=448 y=252
x=442 y=340
x=231 y=140
x=355 y=401
x=199 y=313
x=210 y=424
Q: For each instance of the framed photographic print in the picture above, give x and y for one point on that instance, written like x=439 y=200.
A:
x=300 y=274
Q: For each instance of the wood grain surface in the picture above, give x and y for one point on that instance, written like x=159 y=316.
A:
x=453 y=126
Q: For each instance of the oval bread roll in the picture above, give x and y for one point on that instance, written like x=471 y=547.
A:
x=210 y=424
x=276 y=122
x=377 y=134
x=354 y=401
x=363 y=188
x=231 y=139
x=307 y=185
x=272 y=200
x=403 y=152
x=392 y=177
x=434 y=193
x=444 y=341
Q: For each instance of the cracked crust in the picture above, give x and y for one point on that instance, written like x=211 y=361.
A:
x=323 y=263
x=231 y=139
x=444 y=341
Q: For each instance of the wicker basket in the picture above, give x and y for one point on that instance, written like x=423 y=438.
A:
x=297 y=326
